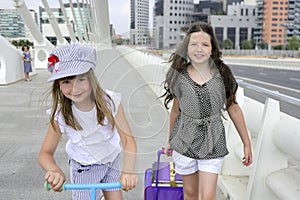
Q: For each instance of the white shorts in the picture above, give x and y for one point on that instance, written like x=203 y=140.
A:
x=185 y=165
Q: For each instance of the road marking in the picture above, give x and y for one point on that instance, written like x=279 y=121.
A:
x=294 y=79
x=263 y=74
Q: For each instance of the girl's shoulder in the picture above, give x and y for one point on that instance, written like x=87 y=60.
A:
x=115 y=96
x=116 y=99
x=58 y=115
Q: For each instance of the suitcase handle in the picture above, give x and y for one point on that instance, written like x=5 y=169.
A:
x=159 y=152
x=169 y=152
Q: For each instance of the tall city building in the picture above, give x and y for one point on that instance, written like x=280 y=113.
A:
x=238 y=25
x=139 y=22
x=278 y=21
x=230 y=2
x=12 y=25
x=274 y=22
x=205 y=8
x=169 y=17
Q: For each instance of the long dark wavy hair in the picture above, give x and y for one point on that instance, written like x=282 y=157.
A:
x=62 y=104
x=179 y=61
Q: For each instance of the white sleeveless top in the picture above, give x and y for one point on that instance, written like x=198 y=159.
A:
x=95 y=144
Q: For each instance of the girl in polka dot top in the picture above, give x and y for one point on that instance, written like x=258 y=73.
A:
x=201 y=87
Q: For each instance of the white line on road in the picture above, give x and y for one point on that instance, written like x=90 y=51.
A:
x=263 y=74
x=294 y=79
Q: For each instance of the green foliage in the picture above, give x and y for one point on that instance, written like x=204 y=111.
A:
x=278 y=47
x=120 y=41
x=263 y=45
x=294 y=43
x=227 y=44
x=246 y=44
x=15 y=43
x=21 y=43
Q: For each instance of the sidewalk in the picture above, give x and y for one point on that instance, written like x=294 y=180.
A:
x=24 y=124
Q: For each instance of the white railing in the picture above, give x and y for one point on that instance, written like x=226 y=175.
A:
x=275 y=137
x=288 y=64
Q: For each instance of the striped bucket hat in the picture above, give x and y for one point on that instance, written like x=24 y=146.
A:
x=71 y=60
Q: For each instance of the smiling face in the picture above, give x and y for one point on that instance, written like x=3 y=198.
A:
x=199 y=48
x=78 y=89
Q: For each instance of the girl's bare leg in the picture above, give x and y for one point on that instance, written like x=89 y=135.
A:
x=207 y=185
x=114 y=195
x=190 y=186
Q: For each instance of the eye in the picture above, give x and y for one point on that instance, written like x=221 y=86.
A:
x=65 y=82
x=83 y=78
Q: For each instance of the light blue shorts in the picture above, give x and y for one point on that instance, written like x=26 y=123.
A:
x=185 y=165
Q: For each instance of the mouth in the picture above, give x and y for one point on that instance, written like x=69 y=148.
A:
x=199 y=55
x=76 y=95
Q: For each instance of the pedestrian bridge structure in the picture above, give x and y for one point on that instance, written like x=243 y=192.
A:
x=275 y=173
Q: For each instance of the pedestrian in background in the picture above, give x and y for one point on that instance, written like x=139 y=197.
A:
x=26 y=57
x=201 y=87
x=94 y=122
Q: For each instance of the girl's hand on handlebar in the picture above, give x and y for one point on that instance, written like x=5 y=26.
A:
x=129 y=181
x=55 y=179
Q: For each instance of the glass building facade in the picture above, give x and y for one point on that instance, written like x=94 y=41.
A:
x=11 y=24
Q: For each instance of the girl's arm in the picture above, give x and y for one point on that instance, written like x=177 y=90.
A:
x=128 y=177
x=54 y=175
x=237 y=118
x=173 y=116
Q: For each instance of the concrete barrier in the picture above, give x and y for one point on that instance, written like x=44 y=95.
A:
x=275 y=137
x=11 y=64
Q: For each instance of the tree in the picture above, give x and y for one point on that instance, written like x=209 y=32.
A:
x=246 y=44
x=263 y=45
x=15 y=43
x=118 y=41
x=294 y=43
x=21 y=43
x=227 y=44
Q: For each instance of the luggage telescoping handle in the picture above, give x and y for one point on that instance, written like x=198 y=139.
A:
x=159 y=152
x=91 y=187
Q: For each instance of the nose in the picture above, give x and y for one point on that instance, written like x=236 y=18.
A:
x=199 y=48
x=75 y=86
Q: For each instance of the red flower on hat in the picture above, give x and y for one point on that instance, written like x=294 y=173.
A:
x=51 y=62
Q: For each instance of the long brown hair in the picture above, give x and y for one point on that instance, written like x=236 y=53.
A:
x=62 y=104
x=179 y=61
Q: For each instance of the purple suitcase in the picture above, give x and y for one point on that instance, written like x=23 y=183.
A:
x=157 y=182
